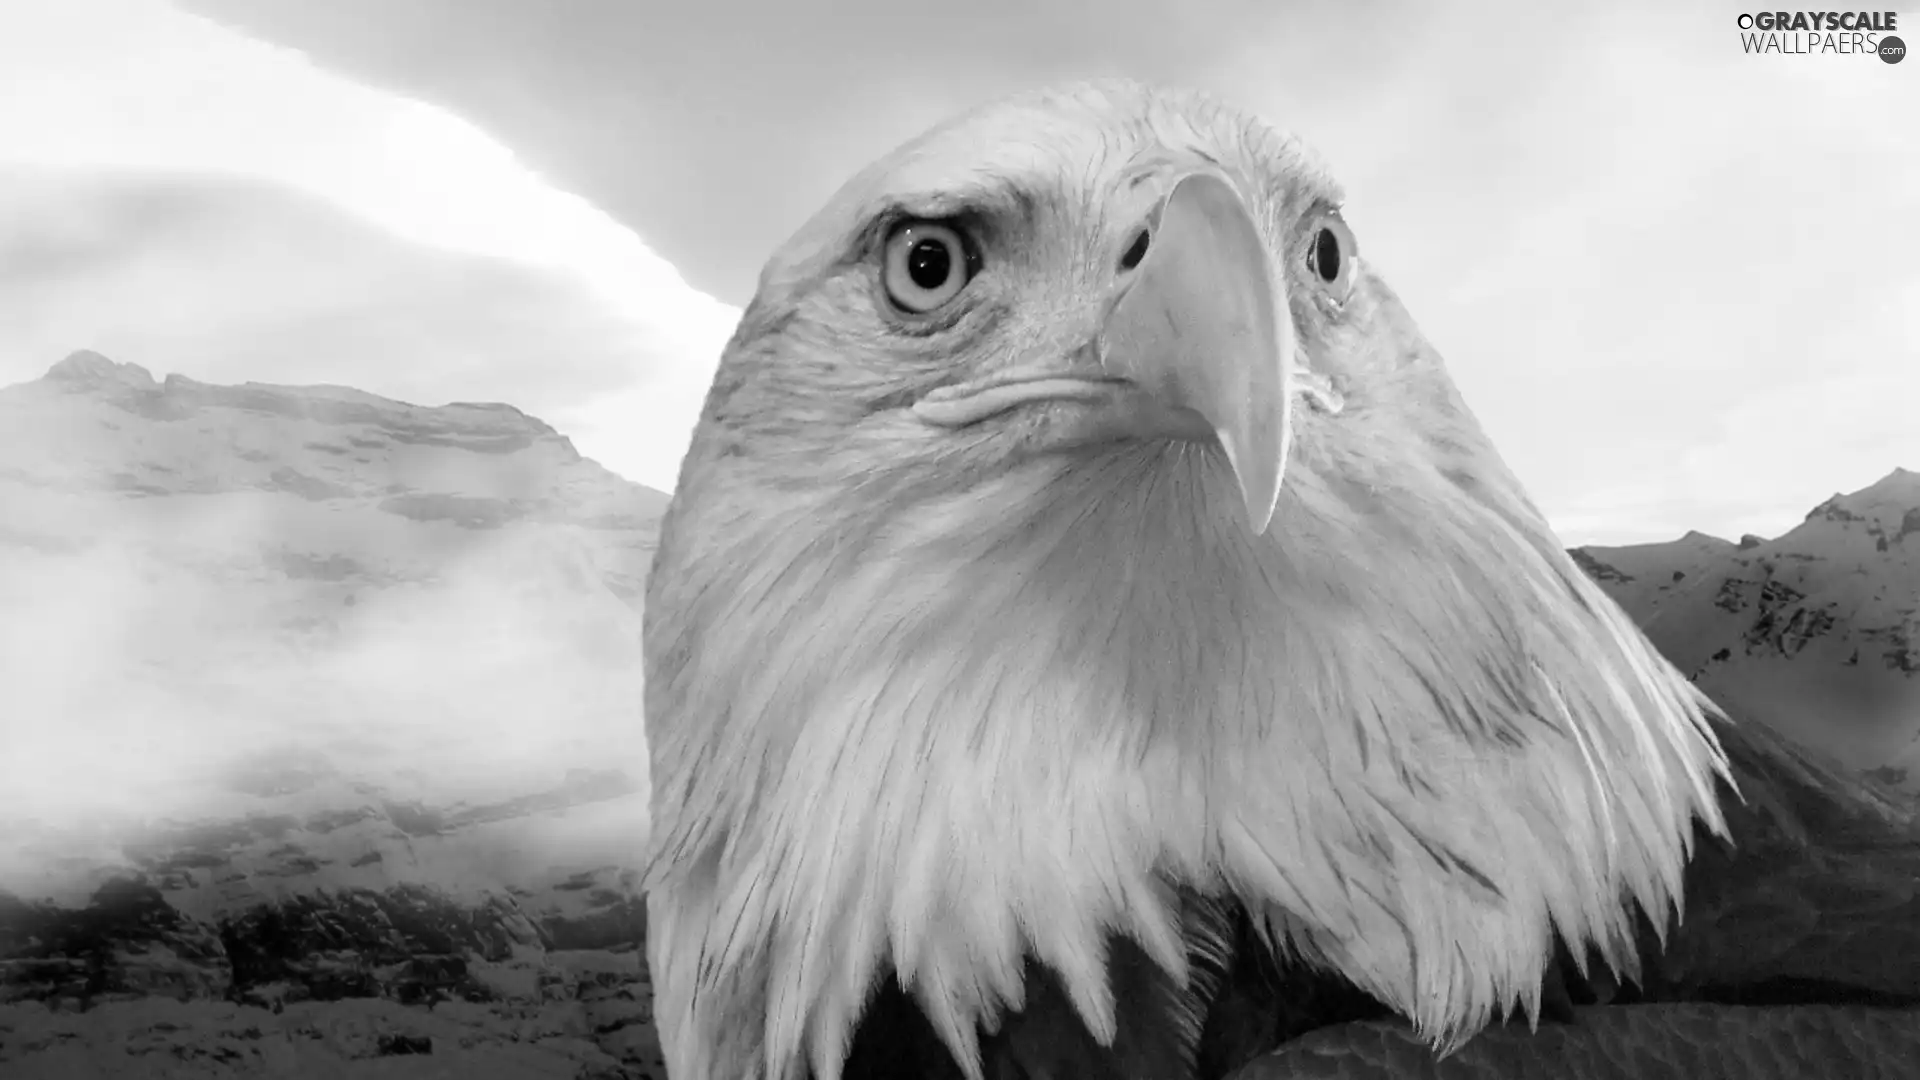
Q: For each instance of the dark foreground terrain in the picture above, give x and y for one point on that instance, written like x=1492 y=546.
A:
x=368 y=940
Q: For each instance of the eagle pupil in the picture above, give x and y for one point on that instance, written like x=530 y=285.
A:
x=929 y=264
x=1326 y=255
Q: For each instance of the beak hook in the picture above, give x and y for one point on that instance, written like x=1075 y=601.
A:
x=1205 y=327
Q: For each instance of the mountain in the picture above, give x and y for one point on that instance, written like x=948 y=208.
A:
x=1816 y=632
x=321 y=750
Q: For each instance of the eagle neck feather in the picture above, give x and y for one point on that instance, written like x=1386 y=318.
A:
x=968 y=726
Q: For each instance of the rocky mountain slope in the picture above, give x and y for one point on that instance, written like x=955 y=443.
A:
x=1816 y=632
x=320 y=739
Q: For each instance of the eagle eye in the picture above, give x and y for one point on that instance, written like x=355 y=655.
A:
x=927 y=264
x=1330 y=255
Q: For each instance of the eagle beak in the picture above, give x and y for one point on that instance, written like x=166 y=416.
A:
x=1204 y=328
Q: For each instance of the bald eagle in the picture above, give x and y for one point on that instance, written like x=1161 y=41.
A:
x=1092 y=637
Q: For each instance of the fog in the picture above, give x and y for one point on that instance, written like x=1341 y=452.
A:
x=208 y=609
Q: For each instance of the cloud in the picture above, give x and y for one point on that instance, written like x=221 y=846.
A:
x=716 y=128
x=232 y=280
x=190 y=199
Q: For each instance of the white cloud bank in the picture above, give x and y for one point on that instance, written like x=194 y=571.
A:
x=126 y=86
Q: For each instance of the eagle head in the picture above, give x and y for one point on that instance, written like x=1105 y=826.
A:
x=1078 y=525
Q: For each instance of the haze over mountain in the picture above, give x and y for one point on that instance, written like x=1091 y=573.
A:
x=321 y=751
x=318 y=707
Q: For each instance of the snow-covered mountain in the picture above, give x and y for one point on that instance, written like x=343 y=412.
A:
x=320 y=736
x=1816 y=632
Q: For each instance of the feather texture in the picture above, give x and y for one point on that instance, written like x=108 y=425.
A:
x=1800 y=955
x=931 y=707
x=1815 y=895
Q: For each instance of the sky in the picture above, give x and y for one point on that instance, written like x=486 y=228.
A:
x=1680 y=285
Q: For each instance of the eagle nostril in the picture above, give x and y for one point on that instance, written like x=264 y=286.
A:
x=1136 y=251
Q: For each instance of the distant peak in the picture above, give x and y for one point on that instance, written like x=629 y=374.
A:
x=1750 y=541
x=1898 y=478
x=1695 y=536
x=1899 y=488
x=89 y=368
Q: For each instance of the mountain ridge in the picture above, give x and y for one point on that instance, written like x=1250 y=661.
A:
x=1815 y=632
x=90 y=371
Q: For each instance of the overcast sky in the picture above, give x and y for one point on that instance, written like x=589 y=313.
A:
x=1679 y=284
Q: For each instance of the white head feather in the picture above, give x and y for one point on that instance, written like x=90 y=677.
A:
x=923 y=704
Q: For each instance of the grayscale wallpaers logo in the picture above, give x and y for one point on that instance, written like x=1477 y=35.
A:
x=1823 y=33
